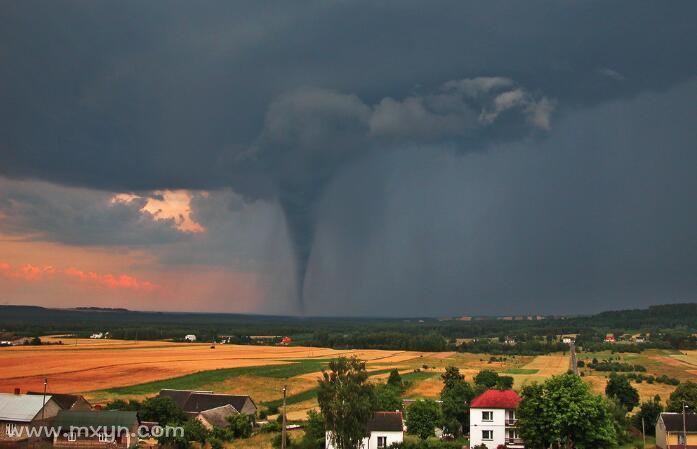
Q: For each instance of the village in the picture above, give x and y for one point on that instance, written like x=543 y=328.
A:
x=230 y=407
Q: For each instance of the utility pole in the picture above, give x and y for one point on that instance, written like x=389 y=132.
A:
x=44 y=399
x=643 y=431
x=684 y=427
x=283 y=426
x=573 y=363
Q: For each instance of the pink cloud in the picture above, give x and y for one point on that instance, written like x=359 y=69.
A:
x=26 y=272
x=110 y=280
x=32 y=273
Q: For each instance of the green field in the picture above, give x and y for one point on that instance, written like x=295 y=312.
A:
x=198 y=380
x=521 y=371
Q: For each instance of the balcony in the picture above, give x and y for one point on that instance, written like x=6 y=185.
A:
x=511 y=422
x=514 y=441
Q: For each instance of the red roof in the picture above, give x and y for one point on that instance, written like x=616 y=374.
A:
x=496 y=399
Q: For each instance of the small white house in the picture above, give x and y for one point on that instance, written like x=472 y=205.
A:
x=190 y=337
x=493 y=421
x=385 y=429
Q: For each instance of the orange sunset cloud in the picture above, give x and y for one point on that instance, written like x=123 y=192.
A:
x=167 y=205
x=32 y=273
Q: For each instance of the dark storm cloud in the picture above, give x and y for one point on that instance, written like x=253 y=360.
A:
x=599 y=215
x=128 y=95
x=275 y=101
x=76 y=216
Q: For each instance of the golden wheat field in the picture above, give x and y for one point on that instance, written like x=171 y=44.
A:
x=104 y=370
x=84 y=365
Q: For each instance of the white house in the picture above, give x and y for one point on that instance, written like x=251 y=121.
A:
x=385 y=429
x=493 y=421
x=190 y=337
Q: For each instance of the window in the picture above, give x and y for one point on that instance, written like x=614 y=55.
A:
x=72 y=436
x=488 y=416
x=487 y=435
x=382 y=442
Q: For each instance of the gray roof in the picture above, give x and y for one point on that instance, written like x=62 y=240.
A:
x=193 y=402
x=199 y=402
x=65 y=401
x=179 y=396
x=217 y=417
x=20 y=407
x=674 y=422
x=386 y=422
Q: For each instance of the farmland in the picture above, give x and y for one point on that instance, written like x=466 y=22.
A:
x=104 y=370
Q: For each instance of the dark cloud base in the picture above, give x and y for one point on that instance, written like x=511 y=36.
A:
x=276 y=102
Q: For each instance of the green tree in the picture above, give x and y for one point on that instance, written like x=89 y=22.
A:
x=173 y=440
x=162 y=410
x=620 y=421
x=240 y=425
x=346 y=400
x=649 y=411
x=215 y=443
x=618 y=387
x=194 y=431
x=563 y=412
x=422 y=418
x=314 y=432
x=387 y=398
x=456 y=396
x=451 y=376
x=685 y=392
x=487 y=378
x=120 y=404
x=221 y=434
x=504 y=383
x=395 y=379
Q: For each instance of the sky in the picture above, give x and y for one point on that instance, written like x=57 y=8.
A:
x=365 y=158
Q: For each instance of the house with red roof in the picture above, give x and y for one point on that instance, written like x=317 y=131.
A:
x=492 y=419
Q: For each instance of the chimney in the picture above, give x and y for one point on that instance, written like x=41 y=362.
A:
x=17 y=391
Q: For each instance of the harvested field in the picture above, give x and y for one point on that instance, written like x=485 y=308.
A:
x=297 y=412
x=429 y=388
x=102 y=364
x=396 y=358
x=549 y=365
x=688 y=357
x=672 y=361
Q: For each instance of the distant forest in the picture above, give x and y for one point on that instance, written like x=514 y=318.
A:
x=667 y=326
